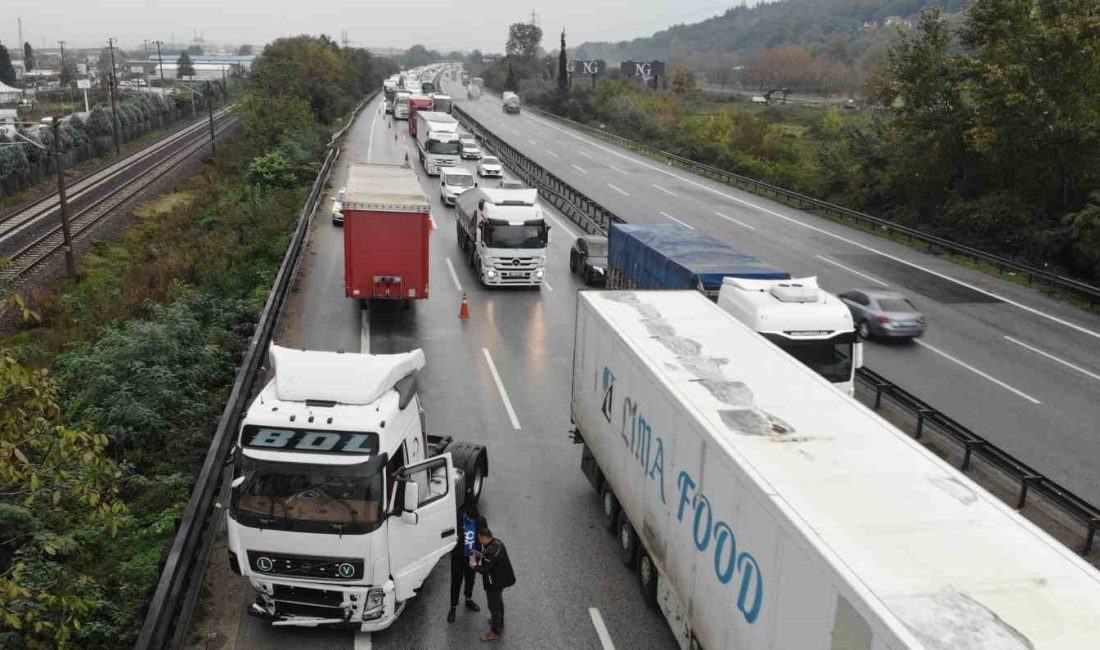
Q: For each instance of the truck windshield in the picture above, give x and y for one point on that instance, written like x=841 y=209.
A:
x=443 y=148
x=336 y=499
x=830 y=358
x=500 y=236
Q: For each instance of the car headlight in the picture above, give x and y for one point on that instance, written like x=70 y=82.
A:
x=376 y=601
x=491 y=273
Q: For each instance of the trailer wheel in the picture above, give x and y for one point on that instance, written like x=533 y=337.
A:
x=647 y=577
x=628 y=542
x=610 y=508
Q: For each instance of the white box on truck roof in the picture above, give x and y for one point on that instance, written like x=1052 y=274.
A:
x=782 y=513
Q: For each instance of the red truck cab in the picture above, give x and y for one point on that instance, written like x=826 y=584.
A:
x=386 y=230
x=417 y=103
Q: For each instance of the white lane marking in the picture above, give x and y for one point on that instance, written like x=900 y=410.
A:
x=362 y=641
x=586 y=154
x=364 y=331
x=669 y=192
x=870 y=249
x=619 y=170
x=552 y=153
x=370 y=138
x=601 y=629
x=454 y=276
x=531 y=141
x=547 y=285
x=740 y=223
x=580 y=169
x=978 y=372
x=560 y=224
x=687 y=225
x=500 y=389
x=851 y=270
x=617 y=189
x=1054 y=358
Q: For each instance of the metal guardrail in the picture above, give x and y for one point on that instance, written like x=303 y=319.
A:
x=172 y=606
x=1059 y=282
x=972 y=444
x=1030 y=479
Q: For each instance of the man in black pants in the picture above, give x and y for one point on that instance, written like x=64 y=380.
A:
x=497 y=574
x=462 y=560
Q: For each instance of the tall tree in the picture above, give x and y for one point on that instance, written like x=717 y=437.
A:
x=28 y=58
x=682 y=80
x=245 y=50
x=510 y=80
x=7 y=70
x=563 y=67
x=477 y=58
x=184 y=67
x=523 y=40
x=68 y=72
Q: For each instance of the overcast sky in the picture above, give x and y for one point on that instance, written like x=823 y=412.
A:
x=439 y=24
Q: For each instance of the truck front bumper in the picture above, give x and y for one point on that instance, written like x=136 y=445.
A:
x=302 y=604
x=494 y=278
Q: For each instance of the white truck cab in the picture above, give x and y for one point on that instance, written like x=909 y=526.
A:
x=341 y=504
x=810 y=324
x=504 y=235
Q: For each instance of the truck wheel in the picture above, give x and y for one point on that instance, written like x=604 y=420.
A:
x=647 y=577
x=610 y=508
x=572 y=263
x=628 y=542
x=474 y=463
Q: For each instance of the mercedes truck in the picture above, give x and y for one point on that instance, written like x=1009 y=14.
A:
x=504 y=235
x=437 y=141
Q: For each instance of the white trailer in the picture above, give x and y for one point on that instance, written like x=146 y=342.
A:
x=765 y=509
x=437 y=141
x=341 y=503
x=812 y=325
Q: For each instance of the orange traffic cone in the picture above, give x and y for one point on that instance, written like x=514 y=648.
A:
x=464 y=313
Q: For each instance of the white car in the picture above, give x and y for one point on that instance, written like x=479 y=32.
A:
x=338 y=208
x=490 y=166
x=470 y=151
x=453 y=182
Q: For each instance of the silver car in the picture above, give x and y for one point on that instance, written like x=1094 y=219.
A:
x=886 y=314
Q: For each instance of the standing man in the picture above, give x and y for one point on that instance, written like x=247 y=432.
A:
x=463 y=561
x=497 y=574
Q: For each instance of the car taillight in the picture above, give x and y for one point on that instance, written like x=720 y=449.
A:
x=883 y=320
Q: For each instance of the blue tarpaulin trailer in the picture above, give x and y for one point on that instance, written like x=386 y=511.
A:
x=668 y=256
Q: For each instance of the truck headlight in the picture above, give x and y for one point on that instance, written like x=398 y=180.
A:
x=491 y=273
x=539 y=273
x=375 y=603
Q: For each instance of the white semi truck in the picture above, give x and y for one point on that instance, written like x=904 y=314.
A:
x=504 y=235
x=810 y=324
x=762 y=508
x=510 y=102
x=341 y=503
x=437 y=141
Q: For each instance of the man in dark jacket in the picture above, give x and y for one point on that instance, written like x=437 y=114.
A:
x=497 y=575
x=462 y=560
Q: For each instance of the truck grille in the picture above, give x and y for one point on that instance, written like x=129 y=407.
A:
x=304 y=566
x=309 y=611
x=516 y=270
x=306 y=595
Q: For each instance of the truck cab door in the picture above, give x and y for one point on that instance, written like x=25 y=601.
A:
x=424 y=530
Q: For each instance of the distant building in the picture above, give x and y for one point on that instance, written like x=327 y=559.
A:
x=203 y=71
x=241 y=61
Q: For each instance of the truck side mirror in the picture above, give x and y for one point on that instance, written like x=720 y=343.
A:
x=412 y=497
x=857 y=355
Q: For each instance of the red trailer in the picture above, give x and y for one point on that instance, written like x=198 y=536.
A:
x=386 y=229
x=417 y=103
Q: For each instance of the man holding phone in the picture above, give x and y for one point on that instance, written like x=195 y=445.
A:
x=497 y=575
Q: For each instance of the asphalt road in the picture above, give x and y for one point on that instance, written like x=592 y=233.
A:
x=1015 y=366
x=535 y=498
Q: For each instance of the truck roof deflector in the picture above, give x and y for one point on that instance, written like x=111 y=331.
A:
x=345 y=378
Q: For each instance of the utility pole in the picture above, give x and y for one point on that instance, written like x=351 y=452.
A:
x=62 y=44
x=160 y=63
x=210 y=113
x=67 y=245
x=145 y=63
x=114 y=100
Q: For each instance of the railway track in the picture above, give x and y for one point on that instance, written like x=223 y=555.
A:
x=115 y=188
x=88 y=186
